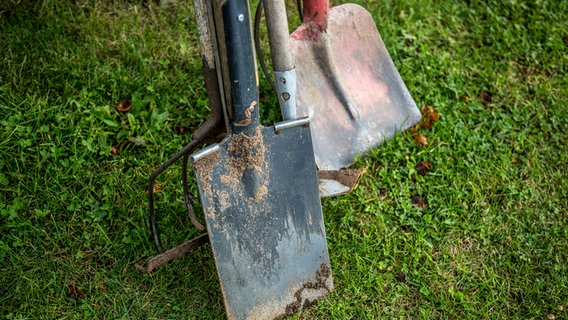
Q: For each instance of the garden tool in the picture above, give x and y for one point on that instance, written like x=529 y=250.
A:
x=210 y=131
x=259 y=193
x=347 y=83
x=331 y=182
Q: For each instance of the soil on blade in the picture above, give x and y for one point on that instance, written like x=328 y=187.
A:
x=204 y=167
x=246 y=152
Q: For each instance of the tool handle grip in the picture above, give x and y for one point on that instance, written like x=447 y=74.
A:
x=242 y=66
x=317 y=12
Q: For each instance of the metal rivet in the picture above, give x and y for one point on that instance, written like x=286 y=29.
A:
x=285 y=96
x=241 y=17
x=283 y=80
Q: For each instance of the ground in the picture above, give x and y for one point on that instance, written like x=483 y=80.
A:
x=472 y=225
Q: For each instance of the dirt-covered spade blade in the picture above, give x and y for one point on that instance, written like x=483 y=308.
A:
x=259 y=193
x=261 y=203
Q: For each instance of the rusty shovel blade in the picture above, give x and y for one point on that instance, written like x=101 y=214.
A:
x=347 y=84
x=264 y=218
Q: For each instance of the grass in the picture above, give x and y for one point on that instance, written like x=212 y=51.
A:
x=492 y=242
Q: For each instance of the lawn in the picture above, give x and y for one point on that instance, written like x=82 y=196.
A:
x=482 y=234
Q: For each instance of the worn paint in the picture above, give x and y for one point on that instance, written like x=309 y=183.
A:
x=204 y=32
x=349 y=87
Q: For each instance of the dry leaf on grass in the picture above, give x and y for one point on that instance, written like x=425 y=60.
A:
x=115 y=150
x=419 y=139
x=429 y=117
x=418 y=202
x=423 y=167
x=157 y=187
x=486 y=98
x=181 y=129
x=124 y=105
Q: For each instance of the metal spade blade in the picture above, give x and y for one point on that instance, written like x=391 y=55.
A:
x=347 y=83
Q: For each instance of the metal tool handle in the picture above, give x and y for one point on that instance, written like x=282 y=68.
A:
x=241 y=65
x=282 y=59
x=317 y=12
x=207 y=44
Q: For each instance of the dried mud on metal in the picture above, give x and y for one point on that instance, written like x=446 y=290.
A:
x=246 y=153
x=320 y=283
x=204 y=167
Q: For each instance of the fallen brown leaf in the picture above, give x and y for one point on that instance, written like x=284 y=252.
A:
x=157 y=187
x=115 y=150
x=486 y=98
x=423 y=167
x=429 y=116
x=401 y=276
x=180 y=129
x=419 y=139
x=124 y=105
x=418 y=202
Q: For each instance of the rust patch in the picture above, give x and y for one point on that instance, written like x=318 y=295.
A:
x=244 y=122
x=204 y=167
x=248 y=115
x=320 y=283
x=250 y=110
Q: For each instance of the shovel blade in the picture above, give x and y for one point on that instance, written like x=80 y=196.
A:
x=263 y=213
x=349 y=87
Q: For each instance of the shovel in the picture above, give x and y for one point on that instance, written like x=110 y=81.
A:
x=331 y=182
x=347 y=83
x=259 y=192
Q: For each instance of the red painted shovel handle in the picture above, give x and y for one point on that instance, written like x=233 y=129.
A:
x=316 y=11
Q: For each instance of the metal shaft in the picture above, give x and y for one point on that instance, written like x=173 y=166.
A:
x=241 y=66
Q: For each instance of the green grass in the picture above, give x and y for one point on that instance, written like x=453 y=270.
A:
x=492 y=243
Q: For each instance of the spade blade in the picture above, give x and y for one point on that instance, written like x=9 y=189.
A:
x=264 y=218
